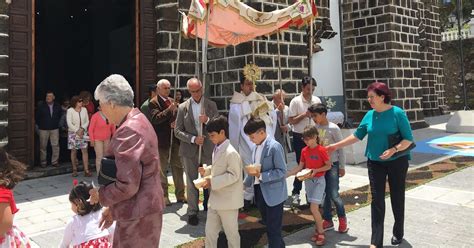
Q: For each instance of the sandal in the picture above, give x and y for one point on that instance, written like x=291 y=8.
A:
x=319 y=239
x=87 y=174
x=74 y=173
x=315 y=236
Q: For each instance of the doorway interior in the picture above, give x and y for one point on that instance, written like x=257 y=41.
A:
x=79 y=43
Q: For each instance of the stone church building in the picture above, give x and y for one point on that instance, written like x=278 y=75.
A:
x=393 y=41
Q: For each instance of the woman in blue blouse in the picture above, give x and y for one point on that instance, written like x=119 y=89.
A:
x=378 y=124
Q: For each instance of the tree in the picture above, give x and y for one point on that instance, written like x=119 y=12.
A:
x=448 y=7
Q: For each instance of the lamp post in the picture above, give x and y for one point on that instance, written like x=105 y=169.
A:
x=461 y=121
x=461 y=50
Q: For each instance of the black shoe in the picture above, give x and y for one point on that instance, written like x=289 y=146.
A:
x=396 y=241
x=193 y=220
x=247 y=205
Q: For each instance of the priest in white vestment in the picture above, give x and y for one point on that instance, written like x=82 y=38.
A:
x=243 y=105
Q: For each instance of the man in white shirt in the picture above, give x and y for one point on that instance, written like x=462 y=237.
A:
x=300 y=117
x=242 y=105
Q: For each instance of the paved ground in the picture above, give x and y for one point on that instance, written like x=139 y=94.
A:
x=45 y=209
x=438 y=214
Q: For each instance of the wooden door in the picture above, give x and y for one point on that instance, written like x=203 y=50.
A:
x=21 y=73
x=146 y=48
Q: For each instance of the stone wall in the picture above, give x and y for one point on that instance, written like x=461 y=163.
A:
x=393 y=41
x=382 y=42
x=167 y=43
x=225 y=64
x=4 y=41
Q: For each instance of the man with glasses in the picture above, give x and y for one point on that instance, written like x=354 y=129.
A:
x=162 y=112
x=193 y=114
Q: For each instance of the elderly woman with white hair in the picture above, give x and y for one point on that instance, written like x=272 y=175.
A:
x=135 y=199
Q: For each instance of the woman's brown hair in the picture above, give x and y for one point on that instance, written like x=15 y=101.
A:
x=74 y=100
x=85 y=94
x=11 y=170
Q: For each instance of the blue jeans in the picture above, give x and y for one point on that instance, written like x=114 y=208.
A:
x=332 y=193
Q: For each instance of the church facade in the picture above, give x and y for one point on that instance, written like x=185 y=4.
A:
x=394 y=41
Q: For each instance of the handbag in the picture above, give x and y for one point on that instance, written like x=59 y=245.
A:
x=107 y=172
x=395 y=139
x=85 y=134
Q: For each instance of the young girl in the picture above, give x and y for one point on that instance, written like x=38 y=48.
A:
x=314 y=157
x=11 y=172
x=83 y=229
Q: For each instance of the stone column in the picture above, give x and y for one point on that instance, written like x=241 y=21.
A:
x=381 y=43
x=432 y=79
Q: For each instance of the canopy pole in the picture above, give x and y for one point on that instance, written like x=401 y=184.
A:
x=282 y=113
x=253 y=52
x=196 y=70
x=311 y=41
x=176 y=79
x=204 y=74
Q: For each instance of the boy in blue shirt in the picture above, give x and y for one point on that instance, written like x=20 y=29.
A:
x=270 y=182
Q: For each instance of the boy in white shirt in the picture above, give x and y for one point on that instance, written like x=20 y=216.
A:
x=224 y=178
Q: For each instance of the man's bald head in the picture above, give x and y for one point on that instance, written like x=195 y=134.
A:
x=278 y=96
x=278 y=93
x=162 y=82
x=193 y=82
x=163 y=88
x=195 y=88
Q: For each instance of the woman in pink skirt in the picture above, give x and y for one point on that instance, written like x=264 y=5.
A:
x=100 y=132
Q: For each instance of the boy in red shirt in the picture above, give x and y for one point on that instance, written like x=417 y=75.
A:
x=314 y=157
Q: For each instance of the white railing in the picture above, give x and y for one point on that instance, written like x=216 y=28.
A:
x=454 y=35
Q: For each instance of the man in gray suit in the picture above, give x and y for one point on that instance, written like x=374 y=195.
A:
x=193 y=113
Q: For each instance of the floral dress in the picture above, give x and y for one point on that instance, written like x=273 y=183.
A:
x=74 y=141
x=13 y=238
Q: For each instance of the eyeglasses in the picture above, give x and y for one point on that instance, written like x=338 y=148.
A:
x=194 y=91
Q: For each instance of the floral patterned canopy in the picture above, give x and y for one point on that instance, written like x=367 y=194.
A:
x=232 y=22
